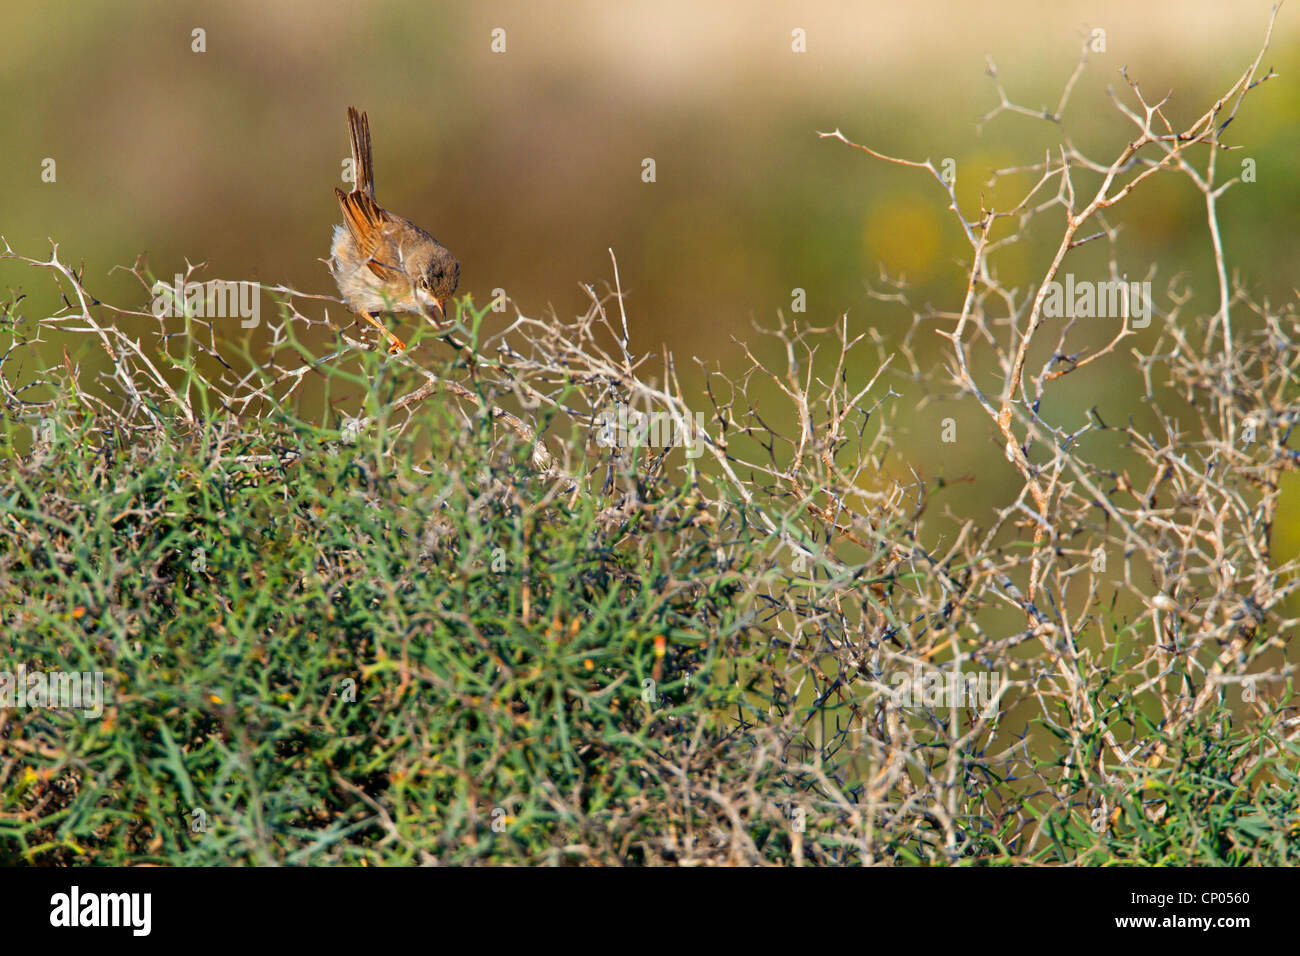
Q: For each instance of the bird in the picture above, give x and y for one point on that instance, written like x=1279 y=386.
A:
x=382 y=262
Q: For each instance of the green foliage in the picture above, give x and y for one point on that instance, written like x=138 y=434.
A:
x=323 y=653
x=1214 y=795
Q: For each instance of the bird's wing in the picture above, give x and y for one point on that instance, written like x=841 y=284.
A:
x=368 y=225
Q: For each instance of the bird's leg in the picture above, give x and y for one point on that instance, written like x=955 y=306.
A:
x=395 y=344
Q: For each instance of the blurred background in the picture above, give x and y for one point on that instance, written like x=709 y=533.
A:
x=528 y=163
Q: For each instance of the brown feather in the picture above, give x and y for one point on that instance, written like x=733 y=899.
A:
x=366 y=221
x=362 y=160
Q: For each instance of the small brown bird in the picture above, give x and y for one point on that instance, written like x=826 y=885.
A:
x=382 y=262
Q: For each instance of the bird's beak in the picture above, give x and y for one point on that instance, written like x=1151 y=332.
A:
x=442 y=307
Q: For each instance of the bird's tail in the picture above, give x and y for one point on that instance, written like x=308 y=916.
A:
x=362 y=164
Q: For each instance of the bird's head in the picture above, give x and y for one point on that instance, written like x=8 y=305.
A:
x=435 y=276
